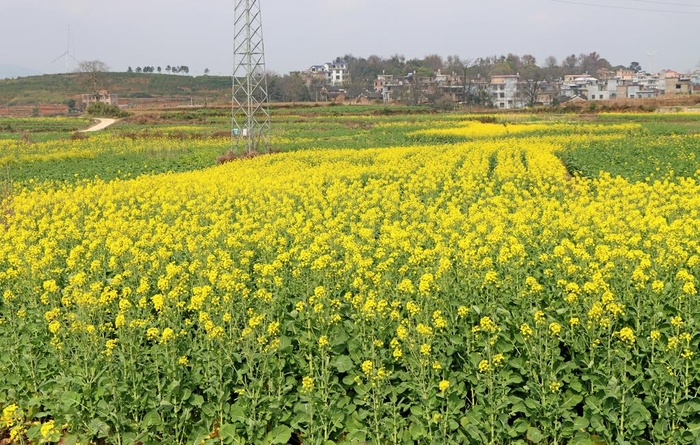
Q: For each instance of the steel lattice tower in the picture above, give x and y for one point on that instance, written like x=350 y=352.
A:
x=250 y=115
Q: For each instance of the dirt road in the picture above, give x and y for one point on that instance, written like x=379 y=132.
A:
x=100 y=125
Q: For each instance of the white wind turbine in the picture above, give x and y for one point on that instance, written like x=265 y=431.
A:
x=651 y=54
x=67 y=54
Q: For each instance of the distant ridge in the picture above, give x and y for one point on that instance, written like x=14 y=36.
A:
x=60 y=88
x=10 y=71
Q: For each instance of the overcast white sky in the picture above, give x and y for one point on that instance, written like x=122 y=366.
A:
x=299 y=33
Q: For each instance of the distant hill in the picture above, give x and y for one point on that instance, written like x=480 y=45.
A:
x=59 y=88
x=9 y=71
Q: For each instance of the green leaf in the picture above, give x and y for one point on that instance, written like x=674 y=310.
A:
x=70 y=439
x=570 y=400
x=70 y=398
x=520 y=426
x=472 y=426
x=34 y=432
x=238 y=414
x=343 y=363
x=356 y=436
x=197 y=400
x=575 y=385
x=597 y=423
x=227 y=433
x=417 y=431
x=534 y=435
x=417 y=410
x=582 y=438
x=152 y=418
x=581 y=423
x=98 y=428
x=279 y=435
x=694 y=427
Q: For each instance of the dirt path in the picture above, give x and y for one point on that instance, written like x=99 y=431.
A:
x=100 y=125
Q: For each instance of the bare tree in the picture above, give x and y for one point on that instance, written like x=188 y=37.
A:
x=532 y=83
x=93 y=73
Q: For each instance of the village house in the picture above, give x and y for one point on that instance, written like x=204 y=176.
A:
x=102 y=96
x=335 y=73
x=678 y=85
x=504 y=91
x=511 y=91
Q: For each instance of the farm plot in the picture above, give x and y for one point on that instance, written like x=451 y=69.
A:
x=464 y=292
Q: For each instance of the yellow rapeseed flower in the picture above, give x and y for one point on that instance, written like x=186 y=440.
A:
x=554 y=328
x=49 y=432
x=167 y=335
x=539 y=318
x=655 y=335
x=423 y=330
x=627 y=336
x=443 y=385
x=152 y=333
x=554 y=386
x=401 y=332
x=484 y=366
x=677 y=321
x=307 y=384
x=487 y=324
x=367 y=367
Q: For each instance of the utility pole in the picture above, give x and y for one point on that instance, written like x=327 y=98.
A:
x=249 y=114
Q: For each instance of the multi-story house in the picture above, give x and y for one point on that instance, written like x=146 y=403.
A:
x=102 y=96
x=576 y=85
x=678 y=85
x=387 y=85
x=334 y=73
x=597 y=91
x=504 y=91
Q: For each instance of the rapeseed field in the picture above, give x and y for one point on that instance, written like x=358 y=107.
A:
x=474 y=289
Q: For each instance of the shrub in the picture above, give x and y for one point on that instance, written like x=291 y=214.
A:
x=105 y=110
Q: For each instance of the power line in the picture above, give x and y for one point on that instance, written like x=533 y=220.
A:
x=628 y=8
x=685 y=5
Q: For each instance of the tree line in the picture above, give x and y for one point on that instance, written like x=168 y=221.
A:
x=184 y=69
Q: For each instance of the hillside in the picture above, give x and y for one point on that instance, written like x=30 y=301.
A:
x=59 y=88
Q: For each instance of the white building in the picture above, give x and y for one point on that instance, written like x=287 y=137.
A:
x=504 y=91
x=597 y=92
x=335 y=73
